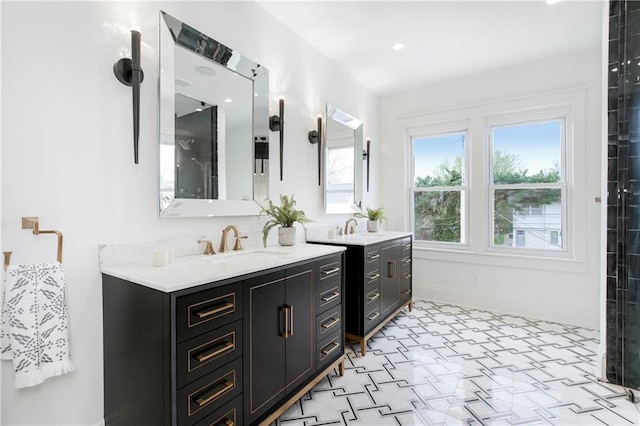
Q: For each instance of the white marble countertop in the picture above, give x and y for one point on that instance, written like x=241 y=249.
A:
x=361 y=238
x=189 y=271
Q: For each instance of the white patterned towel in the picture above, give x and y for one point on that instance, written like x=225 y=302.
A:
x=34 y=331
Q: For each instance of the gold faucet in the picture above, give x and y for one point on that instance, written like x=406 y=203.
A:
x=351 y=230
x=236 y=234
x=209 y=249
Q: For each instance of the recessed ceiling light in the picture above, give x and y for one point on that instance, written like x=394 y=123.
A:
x=397 y=46
x=201 y=69
x=228 y=100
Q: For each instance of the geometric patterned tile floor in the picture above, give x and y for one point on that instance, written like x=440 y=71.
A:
x=447 y=365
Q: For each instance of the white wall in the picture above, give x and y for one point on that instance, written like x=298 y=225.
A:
x=564 y=290
x=67 y=154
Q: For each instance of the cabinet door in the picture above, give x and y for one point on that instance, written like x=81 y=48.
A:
x=300 y=339
x=390 y=276
x=264 y=343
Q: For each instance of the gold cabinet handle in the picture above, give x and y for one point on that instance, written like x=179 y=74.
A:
x=373 y=277
x=216 y=310
x=330 y=271
x=207 y=397
x=229 y=422
x=330 y=324
x=406 y=246
x=391 y=269
x=291 y=321
x=373 y=257
x=374 y=316
x=408 y=260
x=285 y=309
x=374 y=297
x=207 y=355
x=334 y=296
x=406 y=291
x=406 y=276
x=334 y=346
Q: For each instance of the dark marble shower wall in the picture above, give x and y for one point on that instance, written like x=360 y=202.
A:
x=623 y=201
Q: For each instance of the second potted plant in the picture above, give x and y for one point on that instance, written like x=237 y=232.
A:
x=284 y=215
x=374 y=216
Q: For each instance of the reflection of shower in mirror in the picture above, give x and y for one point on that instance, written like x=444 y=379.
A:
x=184 y=143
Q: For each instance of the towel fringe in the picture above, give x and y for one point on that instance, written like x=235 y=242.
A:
x=35 y=377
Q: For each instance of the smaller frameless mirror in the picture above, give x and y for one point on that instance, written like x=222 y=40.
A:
x=343 y=137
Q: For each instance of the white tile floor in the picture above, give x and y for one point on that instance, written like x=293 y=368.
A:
x=448 y=365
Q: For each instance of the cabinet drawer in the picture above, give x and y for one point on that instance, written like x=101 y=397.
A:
x=372 y=297
x=328 y=322
x=205 y=395
x=329 y=270
x=329 y=349
x=406 y=245
x=372 y=277
x=371 y=255
x=204 y=311
x=371 y=318
x=328 y=296
x=203 y=354
x=229 y=414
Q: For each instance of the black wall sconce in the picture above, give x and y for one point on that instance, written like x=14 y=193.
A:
x=366 y=155
x=276 y=124
x=129 y=73
x=315 y=137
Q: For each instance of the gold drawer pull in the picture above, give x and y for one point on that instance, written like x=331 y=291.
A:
x=406 y=276
x=205 y=356
x=374 y=316
x=407 y=246
x=217 y=310
x=374 y=297
x=330 y=271
x=229 y=423
x=406 y=291
x=391 y=269
x=406 y=260
x=334 y=296
x=334 y=346
x=373 y=277
x=373 y=257
x=332 y=323
x=207 y=397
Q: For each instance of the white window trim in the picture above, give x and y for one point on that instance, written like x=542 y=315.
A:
x=440 y=129
x=476 y=117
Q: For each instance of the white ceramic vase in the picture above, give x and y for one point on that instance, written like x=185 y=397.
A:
x=373 y=225
x=286 y=236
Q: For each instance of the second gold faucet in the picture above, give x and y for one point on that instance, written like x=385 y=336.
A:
x=237 y=236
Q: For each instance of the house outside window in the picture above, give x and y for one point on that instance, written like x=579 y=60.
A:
x=527 y=185
x=440 y=187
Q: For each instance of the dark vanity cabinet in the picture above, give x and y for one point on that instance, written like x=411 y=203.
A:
x=238 y=351
x=378 y=285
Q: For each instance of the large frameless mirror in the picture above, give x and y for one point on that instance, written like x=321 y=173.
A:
x=342 y=162
x=214 y=108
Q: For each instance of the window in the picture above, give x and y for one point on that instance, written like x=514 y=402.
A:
x=527 y=185
x=439 y=187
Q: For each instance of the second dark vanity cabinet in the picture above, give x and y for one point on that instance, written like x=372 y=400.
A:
x=378 y=285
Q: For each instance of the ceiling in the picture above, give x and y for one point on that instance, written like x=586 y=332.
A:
x=443 y=39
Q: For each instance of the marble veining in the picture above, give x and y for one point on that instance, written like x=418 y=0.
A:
x=359 y=238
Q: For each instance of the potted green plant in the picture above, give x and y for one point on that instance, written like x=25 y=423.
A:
x=284 y=215
x=374 y=216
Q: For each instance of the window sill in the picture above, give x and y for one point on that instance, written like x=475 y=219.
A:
x=501 y=259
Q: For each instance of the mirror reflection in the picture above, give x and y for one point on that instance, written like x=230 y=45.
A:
x=213 y=126
x=342 y=162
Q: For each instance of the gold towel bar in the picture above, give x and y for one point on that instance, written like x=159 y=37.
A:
x=29 y=222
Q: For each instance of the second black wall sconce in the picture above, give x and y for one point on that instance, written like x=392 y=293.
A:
x=315 y=137
x=276 y=124
x=129 y=73
x=366 y=155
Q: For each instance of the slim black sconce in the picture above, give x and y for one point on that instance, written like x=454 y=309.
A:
x=366 y=155
x=276 y=124
x=315 y=137
x=129 y=73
